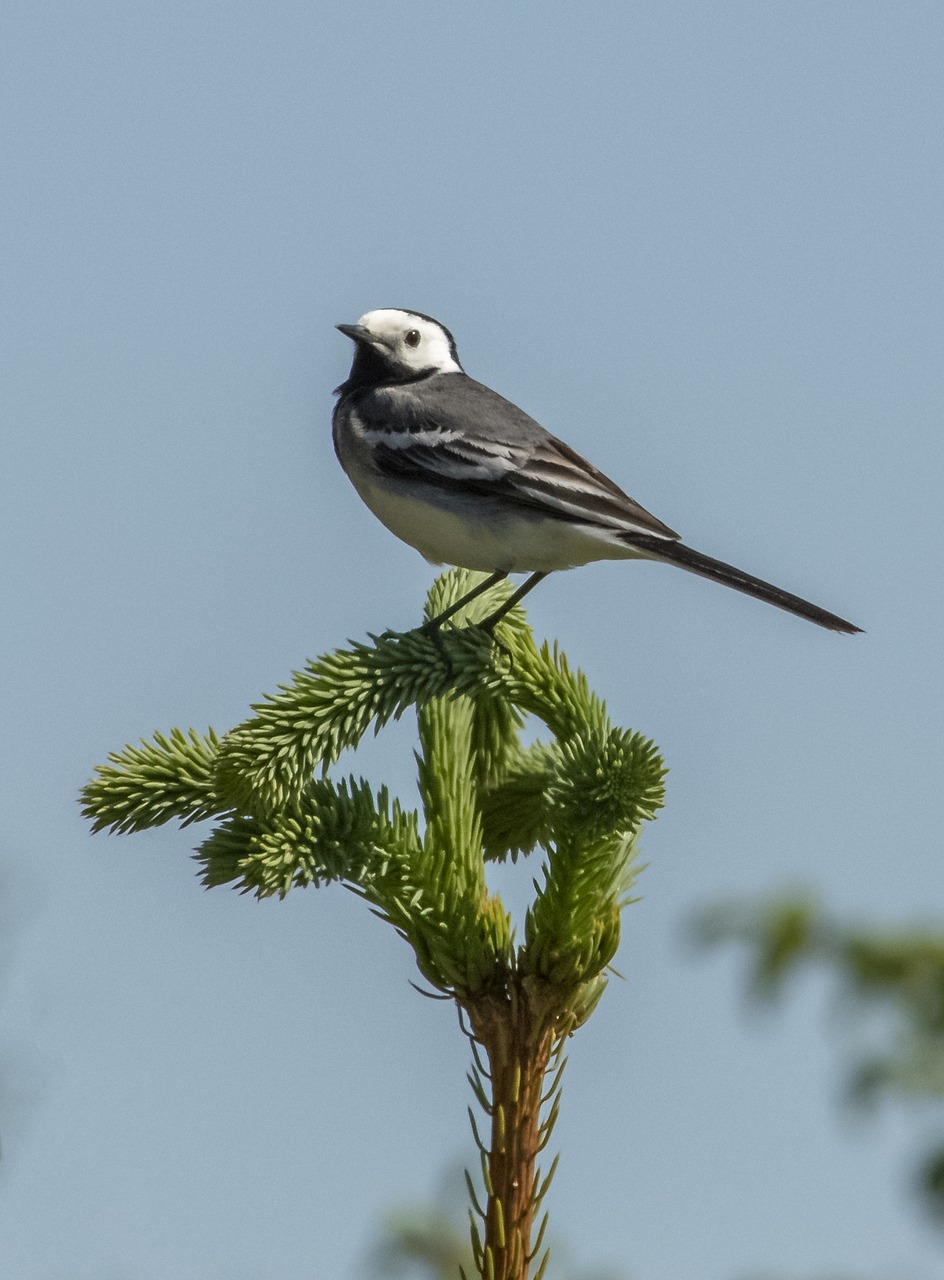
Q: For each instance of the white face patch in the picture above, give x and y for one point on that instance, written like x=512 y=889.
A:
x=415 y=343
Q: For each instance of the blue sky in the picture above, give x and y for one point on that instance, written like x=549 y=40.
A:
x=703 y=244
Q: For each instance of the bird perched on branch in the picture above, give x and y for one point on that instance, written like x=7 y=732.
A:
x=467 y=478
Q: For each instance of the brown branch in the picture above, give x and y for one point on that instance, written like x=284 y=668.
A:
x=520 y=1047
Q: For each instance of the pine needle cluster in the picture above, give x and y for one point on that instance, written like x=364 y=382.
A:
x=281 y=822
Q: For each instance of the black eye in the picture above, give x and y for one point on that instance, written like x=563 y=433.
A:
x=412 y=338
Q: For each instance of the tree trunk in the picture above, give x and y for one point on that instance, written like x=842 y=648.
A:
x=519 y=1054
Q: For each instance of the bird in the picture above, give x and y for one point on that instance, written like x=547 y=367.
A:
x=469 y=479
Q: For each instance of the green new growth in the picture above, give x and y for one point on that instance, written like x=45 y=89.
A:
x=576 y=799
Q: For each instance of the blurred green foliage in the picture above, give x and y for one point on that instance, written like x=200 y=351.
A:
x=431 y=1242
x=891 y=982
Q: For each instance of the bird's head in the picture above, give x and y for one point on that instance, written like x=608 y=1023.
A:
x=398 y=346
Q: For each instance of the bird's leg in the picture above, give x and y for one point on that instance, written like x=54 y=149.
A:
x=529 y=584
x=429 y=628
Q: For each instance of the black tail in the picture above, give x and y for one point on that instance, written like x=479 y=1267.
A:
x=718 y=571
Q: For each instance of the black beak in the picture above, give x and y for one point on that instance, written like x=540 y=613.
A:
x=357 y=332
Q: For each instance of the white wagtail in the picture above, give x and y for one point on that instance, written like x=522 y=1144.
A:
x=468 y=479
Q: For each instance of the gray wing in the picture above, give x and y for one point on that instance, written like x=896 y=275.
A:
x=454 y=433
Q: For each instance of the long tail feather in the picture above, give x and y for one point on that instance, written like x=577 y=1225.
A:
x=718 y=571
